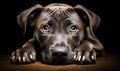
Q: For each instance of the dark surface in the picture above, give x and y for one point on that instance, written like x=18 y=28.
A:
x=109 y=62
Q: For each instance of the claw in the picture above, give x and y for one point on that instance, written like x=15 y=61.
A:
x=92 y=57
x=23 y=59
x=19 y=58
x=75 y=57
x=83 y=58
x=13 y=58
x=79 y=58
x=31 y=56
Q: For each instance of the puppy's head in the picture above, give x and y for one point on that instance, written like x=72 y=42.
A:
x=59 y=29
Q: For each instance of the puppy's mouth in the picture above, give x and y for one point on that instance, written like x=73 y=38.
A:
x=58 y=59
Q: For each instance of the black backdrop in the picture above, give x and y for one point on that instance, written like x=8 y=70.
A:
x=11 y=33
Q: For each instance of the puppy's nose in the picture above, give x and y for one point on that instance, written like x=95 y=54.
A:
x=59 y=51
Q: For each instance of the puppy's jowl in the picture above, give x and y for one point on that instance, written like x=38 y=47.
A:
x=62 y=34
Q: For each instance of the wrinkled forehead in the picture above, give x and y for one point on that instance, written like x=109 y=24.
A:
x=57 y=6
x=59 y=13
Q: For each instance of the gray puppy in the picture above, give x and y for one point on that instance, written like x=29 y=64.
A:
x=62 y=34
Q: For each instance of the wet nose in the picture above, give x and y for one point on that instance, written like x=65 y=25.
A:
x=59 y=51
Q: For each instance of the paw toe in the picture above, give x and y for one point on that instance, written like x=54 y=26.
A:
x=22 y=57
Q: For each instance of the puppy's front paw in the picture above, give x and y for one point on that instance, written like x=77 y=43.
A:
x=23 y=56
x=85 y=57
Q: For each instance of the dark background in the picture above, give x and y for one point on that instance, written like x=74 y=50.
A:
x=11 y=33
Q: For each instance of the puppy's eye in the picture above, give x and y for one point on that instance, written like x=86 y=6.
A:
x=73 y=28
x=45 y=28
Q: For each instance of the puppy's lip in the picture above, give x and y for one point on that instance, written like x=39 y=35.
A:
x=49 y=60
x=56 y=61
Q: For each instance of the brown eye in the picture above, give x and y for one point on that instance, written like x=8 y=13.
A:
x=73 y=28
x=45 y=28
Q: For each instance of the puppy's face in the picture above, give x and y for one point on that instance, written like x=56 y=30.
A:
x=59 y=29
x=59 y=33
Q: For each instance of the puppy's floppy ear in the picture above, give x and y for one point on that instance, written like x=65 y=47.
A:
x=93 y=19
x=28 y=16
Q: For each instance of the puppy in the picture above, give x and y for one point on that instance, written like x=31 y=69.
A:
x=62 y=34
